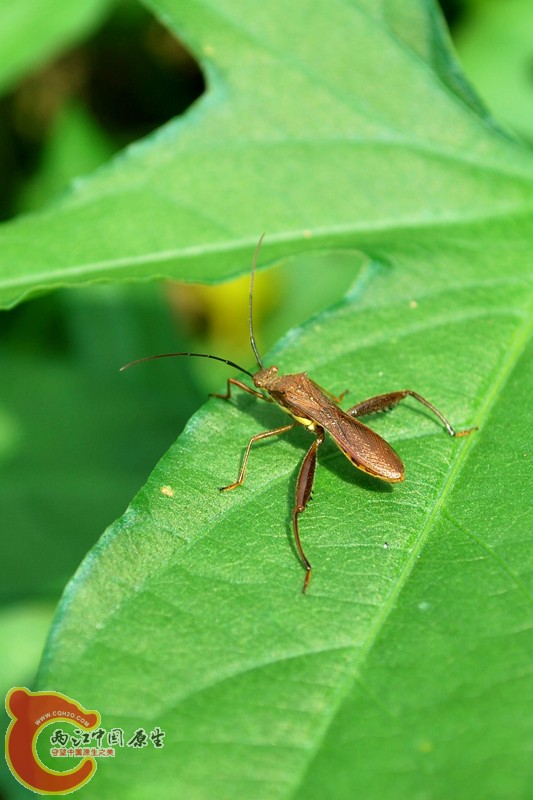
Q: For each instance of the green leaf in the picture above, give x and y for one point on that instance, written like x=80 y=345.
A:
x=74 y=144
x=71 y=453
x=494 y=44
x=35 y=30
x=23 y=630
x=404 y=671
x=304 y=127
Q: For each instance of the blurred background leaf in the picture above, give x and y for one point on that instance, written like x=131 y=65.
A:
x=36 y=30
x=495 y=44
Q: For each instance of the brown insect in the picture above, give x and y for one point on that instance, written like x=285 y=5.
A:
x=316 y=409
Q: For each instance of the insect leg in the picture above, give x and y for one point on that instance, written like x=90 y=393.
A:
x=333 y=396
x=233 y=382
x=304 y=487
x=256 y=438
x=383 y=402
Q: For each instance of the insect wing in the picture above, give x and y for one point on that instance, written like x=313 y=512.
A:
x=363 y=446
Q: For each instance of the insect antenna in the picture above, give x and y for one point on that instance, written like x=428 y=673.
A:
x=250 y=321
x=198 y=355
x=208 y=355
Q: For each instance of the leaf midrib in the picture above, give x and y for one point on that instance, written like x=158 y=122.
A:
x=516 y=348
x=63 y=276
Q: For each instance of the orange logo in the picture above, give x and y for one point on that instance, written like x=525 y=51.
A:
x=30 y=712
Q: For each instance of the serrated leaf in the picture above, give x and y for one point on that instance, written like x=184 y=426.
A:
x=348 y=122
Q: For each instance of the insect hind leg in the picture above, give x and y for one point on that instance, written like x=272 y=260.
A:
x=384 y=402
